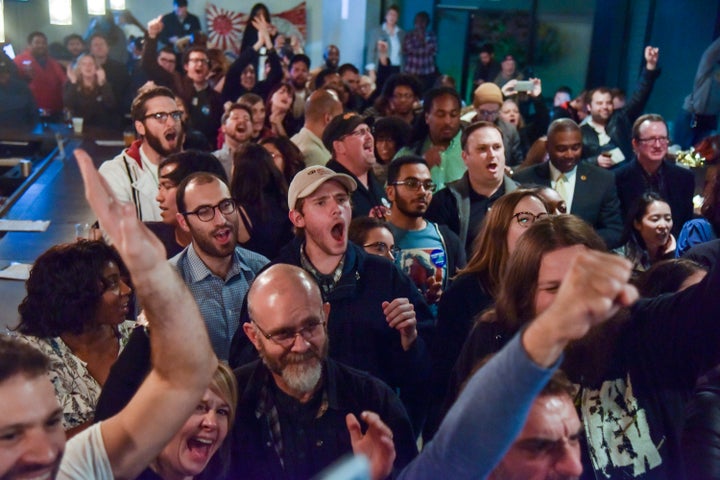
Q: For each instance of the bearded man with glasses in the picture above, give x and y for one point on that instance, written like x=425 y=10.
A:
x=298 y=409
x=650 y=170
x=133 y=175
x=430 y=254
x=217 y=271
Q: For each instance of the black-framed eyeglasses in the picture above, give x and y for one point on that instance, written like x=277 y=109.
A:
x=415 y=184
x=207 y=212
x=358 y=133
x=651 y=140
x=286 y=337
x=382 y=248
x=163 y=116
x=525 y=219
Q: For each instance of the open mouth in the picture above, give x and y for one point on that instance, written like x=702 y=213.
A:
x=338 y=231
x=200 y=448
x=222 y=235
x=171 y=136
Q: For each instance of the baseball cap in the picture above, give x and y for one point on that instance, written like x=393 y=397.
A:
x=309 y=179
x=340 y=126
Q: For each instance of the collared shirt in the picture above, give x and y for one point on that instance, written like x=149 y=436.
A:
x=225 y=155
x=328 y=281
x=420 y=52
x=394 y=47
x=219 y=299
x=570 y=179
x=312 y=148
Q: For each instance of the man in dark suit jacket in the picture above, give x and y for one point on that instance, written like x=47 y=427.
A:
x=590 y=191
x=650 y=171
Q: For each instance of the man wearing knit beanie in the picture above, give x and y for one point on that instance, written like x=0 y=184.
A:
x=487 y=100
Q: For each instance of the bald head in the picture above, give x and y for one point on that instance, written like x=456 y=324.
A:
x=281 y=282
x=320 y=104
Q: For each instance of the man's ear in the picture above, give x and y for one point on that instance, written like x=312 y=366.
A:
x=390 y=193
x=463 y=154
x=140 y=128
x=296 y=218
x=182 y=222
x=251 y=333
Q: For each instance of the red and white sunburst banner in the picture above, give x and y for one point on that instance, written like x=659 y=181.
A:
x=225 y=27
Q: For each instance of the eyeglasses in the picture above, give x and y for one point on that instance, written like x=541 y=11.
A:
x=359 y=133
x=198 y=60
x=652 y=140
x=415 y=184
x=163 y=116
x=382 y=248
x=207 y=212
x=286 y=338
x=488 y=113
x=525 y=219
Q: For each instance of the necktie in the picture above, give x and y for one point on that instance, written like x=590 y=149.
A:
x=561 y=187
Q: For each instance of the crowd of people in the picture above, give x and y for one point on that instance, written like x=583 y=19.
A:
x=299 y=264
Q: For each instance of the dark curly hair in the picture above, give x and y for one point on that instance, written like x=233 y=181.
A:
x=65 y=287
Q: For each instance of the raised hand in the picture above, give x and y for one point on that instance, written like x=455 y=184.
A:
x=376 y=444
x=652 y=54
x=155 y=26
x=594 y=289
x=141 y=250
x=100 y=76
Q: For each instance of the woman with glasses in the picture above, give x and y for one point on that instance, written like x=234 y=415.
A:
x=373 y=235
x=476 y=286
x=260 y=191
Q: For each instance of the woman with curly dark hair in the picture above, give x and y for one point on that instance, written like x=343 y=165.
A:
x=74 y=312
x=260 y=191
x=286 y=155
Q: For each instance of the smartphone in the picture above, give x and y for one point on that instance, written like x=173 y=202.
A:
x=524 y=86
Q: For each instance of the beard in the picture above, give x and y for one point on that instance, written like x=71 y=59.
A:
x=157 y=144
x=407 y=209
x=205 y=243
x=301 y=372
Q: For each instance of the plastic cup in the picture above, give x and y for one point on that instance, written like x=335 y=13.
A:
x=77 y=124
x=83 y=231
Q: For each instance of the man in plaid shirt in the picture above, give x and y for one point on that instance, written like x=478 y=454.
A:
x=419 y=48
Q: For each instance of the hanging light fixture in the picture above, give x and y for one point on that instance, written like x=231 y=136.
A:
x=96 y=7
x=2 y=21
x=60 y=12
x=117 y=4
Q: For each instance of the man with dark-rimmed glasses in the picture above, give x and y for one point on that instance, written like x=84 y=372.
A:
x=133 y=175
x=216 y=270
x=650 y=170
x=430 y=254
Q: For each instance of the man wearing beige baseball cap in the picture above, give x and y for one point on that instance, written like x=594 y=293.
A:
x=378 y=321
